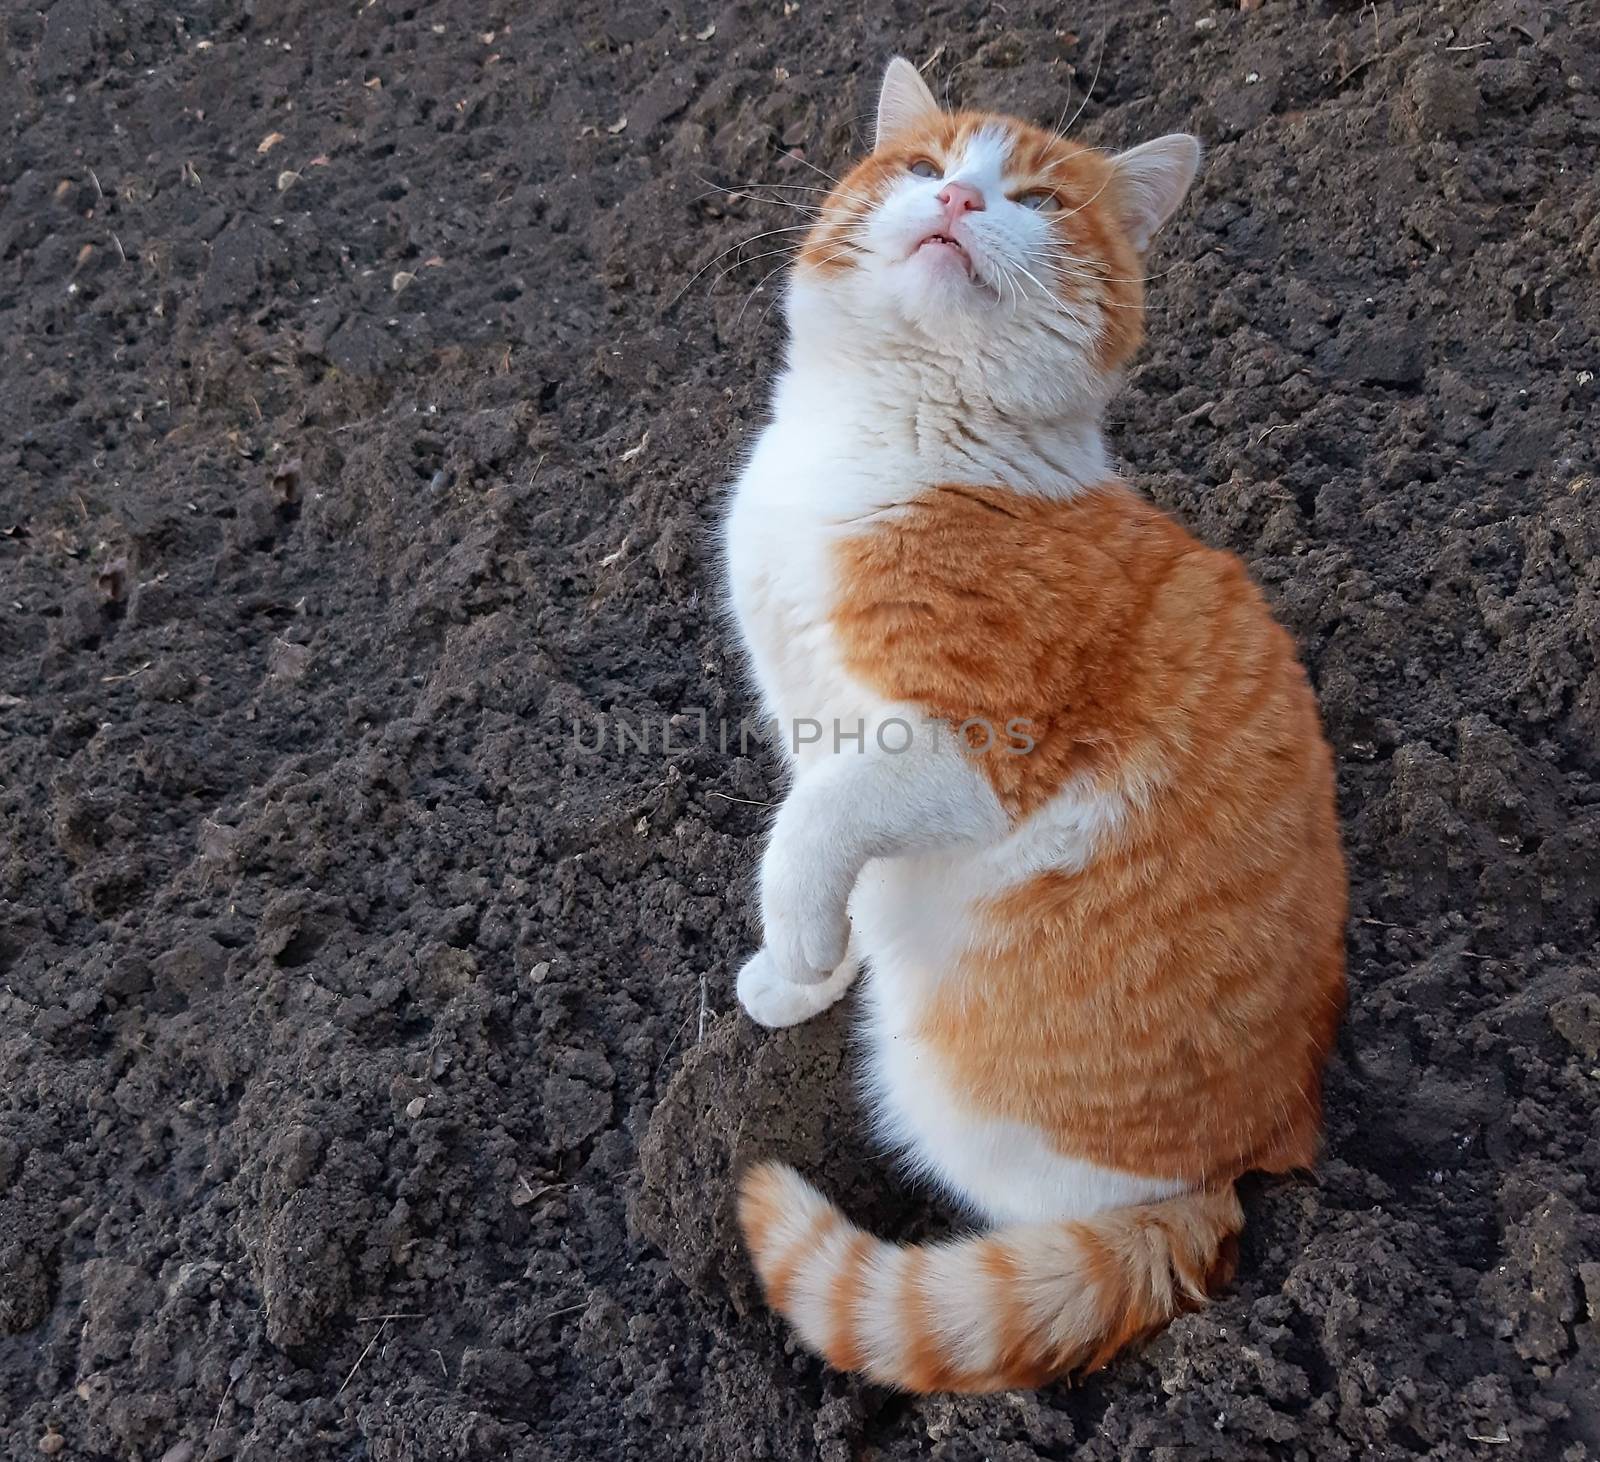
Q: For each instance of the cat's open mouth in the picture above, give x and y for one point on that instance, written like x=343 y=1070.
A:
x=944 y=245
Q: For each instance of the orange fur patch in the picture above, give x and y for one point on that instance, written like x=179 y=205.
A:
x=760 y=1211
x=1206 y=939
x=1021 y=1363
x=759 y=1207
x=926 y=1366
x=844 y=1350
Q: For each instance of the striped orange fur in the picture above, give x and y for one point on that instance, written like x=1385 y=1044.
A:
x=987 y=1313
x=1098 y=896
x=1140 y=658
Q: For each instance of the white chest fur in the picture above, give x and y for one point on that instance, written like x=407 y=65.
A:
x=791 y=506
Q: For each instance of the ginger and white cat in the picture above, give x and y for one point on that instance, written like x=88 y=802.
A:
x=1060 y=795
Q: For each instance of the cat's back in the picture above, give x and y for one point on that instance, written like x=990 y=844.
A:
x=1128 y=643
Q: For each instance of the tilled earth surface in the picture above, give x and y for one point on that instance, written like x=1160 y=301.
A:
x=369 y=1071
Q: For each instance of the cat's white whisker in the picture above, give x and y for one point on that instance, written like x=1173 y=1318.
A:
x=742 y=244
x=755 y=290
x=1097 y=268
x=1088 y=91
x=843 y=191
x=742 y=196
x=786 y=252
x=812 y=188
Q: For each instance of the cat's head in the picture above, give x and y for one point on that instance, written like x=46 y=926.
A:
x=967 y=232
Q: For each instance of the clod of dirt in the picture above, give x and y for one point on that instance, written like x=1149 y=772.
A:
x=1536 y=1288
x=152 y=603
x=117 y=1300
x=165 y=680
x=1438 y=100
x=24 y=1289
x=285 y=482
x=742 y=1095
x=288 y=661
x=305 y=1272
x=577 y=1098
x=111 y=581
x=495 y=1372
x=1577 y=1018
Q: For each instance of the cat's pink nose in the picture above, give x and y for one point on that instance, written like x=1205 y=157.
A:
x=959 y=198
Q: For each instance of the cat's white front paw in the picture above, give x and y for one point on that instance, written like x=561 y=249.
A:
x=803 y=916
x=771 y=999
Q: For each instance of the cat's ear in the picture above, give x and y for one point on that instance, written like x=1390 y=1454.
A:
x=1151 y=180
x=904 y=102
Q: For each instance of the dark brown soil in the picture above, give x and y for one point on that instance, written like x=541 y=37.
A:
x=342 y=474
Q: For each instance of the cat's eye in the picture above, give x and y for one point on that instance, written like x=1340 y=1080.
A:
x=922 y=168
x=1041 y=200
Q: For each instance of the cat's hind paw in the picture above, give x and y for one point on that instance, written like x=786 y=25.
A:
x=771 y=999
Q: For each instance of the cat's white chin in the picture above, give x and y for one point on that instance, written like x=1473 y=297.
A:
x=940 y=275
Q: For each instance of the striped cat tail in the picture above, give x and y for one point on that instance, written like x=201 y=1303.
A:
x=993 y=1312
